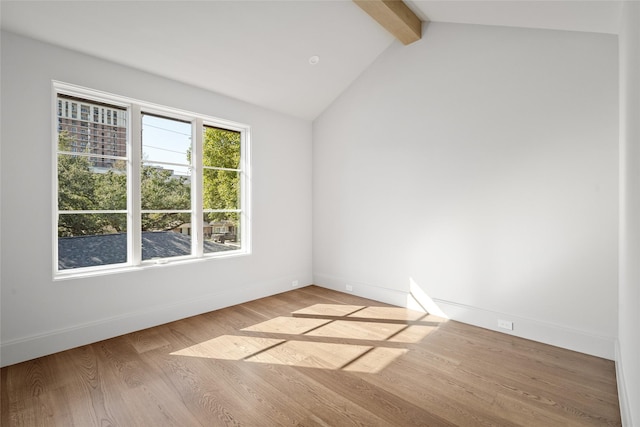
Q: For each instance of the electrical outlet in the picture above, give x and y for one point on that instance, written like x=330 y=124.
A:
x=349 y=288
x=294 y=284
x=505 y=324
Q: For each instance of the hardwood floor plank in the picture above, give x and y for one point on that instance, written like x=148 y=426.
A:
x=497 y=371
x=564 y=378
x=95 y=390
x=454 y=399
x=146 y=340
x=311 y=357
x=5 y=407
x=391 y=407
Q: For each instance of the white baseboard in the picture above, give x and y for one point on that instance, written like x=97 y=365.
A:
x=31 y=347
x=376 y=293
x=623 y=399
x=536 y=330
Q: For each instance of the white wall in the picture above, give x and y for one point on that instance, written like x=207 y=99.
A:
x=40 y=316
x=628 y=353
x=478 y=165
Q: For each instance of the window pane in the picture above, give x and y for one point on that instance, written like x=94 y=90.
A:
x=92 y=136
x=163 y=189
x=221 y=189
x=84 y=186
x=166 y=140
x=87 y=240
x=163 y=221
x=176 y=171
x=221 y=148
x=221 y=231
x=165 y=235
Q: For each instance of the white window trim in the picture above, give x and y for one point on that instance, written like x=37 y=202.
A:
x=135 y=108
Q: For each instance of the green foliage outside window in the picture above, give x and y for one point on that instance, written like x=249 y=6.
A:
x=80 y=187
x=221 y=190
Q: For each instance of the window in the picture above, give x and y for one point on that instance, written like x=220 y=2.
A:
x=91 y=202
x=165 y=178
x=171 y=185
x=221 y=195
x=84 y=113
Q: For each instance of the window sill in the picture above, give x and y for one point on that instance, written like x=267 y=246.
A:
x=87 y=272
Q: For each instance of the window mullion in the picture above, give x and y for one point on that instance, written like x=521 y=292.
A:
x=134 y=193
x=54 y=180
x=197 y=217
x=245 y=191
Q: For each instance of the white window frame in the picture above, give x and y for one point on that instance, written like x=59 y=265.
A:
x=135 y=109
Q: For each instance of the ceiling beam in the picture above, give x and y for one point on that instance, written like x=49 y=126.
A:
x=395 y=17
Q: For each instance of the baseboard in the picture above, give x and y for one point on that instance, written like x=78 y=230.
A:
x=536 y=330
x=376 y=293
x=623 y=399
x=31 y=347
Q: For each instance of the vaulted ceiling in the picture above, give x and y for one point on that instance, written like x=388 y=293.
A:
x=259 y=51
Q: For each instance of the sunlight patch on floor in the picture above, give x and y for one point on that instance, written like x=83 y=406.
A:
x=332 y=336
x=358 y=330
x=229 y=347
x=337 y=310
x=306 y=354
x=287 y=325
x=388 y=313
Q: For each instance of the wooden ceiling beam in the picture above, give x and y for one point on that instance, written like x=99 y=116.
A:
x=395 y=17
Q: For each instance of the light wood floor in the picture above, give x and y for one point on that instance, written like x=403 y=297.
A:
x=312 y=357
